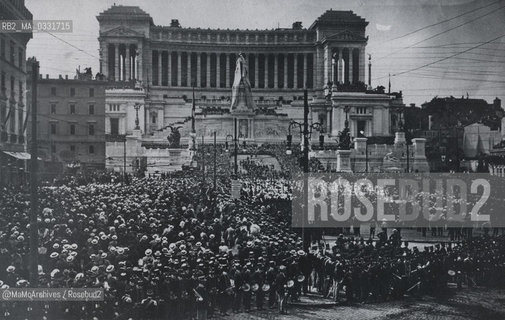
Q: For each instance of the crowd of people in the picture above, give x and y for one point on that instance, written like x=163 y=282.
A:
x=176 y=248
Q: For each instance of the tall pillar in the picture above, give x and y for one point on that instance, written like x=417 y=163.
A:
x=227 y=70
x=139 y=61
x=116 y=62
x=340 y=67
x=305 y=70
x=133 y=59
x=285 y=70
x=208 y=71
x=218 y=70
x=351 y=50
x=295 y=71
x=169 y=67
x=266 y=70
x=179 y=69
x=188 y=71
x=256 y=70
x=276 y=69
x=361 y=59
x=128 y=62
x=160 y=70
x=105 y=58
x=199 y=69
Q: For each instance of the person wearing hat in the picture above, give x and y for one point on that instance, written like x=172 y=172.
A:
x=280 y=289
x=202 y=298
x=258 y=278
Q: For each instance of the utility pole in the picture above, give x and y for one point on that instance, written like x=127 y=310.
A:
x=236 y=150
x=124 y=160
x=34 y=197
x=215 y=160
x=203 y=158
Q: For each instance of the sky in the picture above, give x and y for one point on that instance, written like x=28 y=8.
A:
x=429 y=47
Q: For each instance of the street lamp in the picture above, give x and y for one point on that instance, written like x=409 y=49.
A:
x=366 y=150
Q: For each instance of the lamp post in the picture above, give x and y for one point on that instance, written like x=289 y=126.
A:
x=306 y=131
x=366 y=150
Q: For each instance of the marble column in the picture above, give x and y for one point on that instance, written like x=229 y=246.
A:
x=304 y=70
x=128 y=62
x=295 y=70
x=208 y=70
x=361 y=62
x=276 y=71
x=199 y=69
x=227 y=75
x=169 y=67
x=340 y=67
x=188 y=71
x=105 y=58
x=256 y=69
x=160 y=70
x=179 y=68
x=266 y=71
x=139 y=62
x=351 y=50
x=218 y=70
x=285 y=70
x=116 y=62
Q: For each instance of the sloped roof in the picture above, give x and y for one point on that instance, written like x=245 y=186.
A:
x=339 y=17
x=125 y=12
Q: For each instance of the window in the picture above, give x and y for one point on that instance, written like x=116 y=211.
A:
x=72 y=109
x=53 y=128
x=361 y=110
x=72 y=148
x=91 y=149
x=13 y=81
x=114 y=126
x=53 y=108
x=91 y=109
x=153 y=117
x=3 y=48
x=361 y=127
x=20 y=86
x=12 y=52
x=91 y=92
x=91 y=129
x=20 y=58
x=53 y=91
x=72 y=129
x=72 y=92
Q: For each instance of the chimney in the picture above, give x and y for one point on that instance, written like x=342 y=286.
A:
x=60 y=77
x=66 y=77
x=412 y=105
x=47 y=76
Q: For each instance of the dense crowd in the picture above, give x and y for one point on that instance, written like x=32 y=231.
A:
x=175 y=248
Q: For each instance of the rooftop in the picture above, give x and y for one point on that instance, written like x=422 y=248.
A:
x=333 y=17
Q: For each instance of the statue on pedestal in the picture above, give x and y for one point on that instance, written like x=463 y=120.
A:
x=174 y=138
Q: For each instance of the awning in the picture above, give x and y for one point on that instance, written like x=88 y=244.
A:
x=20 y=155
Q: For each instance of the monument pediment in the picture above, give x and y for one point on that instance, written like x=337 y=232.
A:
x=345 y=35
x=121 y=31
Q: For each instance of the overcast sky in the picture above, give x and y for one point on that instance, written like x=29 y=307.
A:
x=412 y=60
